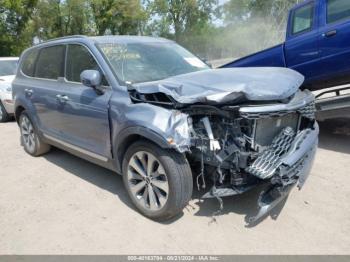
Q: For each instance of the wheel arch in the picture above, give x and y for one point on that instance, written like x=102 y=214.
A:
x=18 y=111
x=129 y=135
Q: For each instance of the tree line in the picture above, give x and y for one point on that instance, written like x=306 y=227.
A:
x=211 y=29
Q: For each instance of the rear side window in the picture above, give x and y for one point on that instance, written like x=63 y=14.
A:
x=28 y=65
x=337 y=10
x=50 y=63
x=78 y=60
x=302 y=19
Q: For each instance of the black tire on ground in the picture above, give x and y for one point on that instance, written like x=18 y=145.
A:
x=38 y=147
x=178 y=175
x=4 y=116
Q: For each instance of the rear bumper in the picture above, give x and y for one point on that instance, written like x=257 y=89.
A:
x=9 y=106
x=8 y=103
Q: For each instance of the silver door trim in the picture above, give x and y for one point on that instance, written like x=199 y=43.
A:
x=76 y=148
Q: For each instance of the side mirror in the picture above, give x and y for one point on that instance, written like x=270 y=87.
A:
x=93 y=79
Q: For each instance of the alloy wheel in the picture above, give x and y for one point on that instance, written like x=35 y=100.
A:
x=148 y=181
x=28 y=135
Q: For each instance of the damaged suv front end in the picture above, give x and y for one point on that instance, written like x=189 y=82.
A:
x=239 y=127
x=240 y=139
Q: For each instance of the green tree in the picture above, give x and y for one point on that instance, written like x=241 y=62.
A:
x=56 y=18
x=236 y=10
x=118 y=16
x=184 y=16
x=188 y=22
x=14 y=18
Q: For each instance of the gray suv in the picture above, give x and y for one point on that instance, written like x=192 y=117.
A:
x=150 y=110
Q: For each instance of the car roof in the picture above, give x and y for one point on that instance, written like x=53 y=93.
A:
x=123 y=39
x=8 y=58
x=128 y=39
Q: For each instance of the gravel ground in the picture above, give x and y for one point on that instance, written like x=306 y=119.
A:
x=60 y=204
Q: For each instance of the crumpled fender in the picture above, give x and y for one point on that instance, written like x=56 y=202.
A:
x=167 y=128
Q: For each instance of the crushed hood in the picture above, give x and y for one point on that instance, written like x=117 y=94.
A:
x=227 y=85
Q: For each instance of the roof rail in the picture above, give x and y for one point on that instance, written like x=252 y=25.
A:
x=61 y=38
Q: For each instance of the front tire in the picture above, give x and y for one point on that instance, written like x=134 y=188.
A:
x=4 y=116
x=158 y=181
x=30 y=139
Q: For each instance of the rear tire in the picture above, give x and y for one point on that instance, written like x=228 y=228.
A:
x=161 y=184
x=30 y=139
x=4 y=116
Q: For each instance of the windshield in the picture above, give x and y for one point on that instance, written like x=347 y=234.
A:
x=144 y=62
x=8 y=67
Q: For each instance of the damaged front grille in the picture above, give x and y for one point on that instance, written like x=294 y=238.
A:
x=306 y=111
x=267 y=163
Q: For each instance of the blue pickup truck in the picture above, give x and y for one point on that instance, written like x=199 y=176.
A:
x=318 y=46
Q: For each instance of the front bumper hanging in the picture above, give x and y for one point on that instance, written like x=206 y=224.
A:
x=292 y=169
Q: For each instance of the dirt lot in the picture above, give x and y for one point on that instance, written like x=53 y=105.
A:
x=61 y=204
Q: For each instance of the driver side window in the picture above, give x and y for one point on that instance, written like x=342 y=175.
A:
x=78 y=60
x=303 y=19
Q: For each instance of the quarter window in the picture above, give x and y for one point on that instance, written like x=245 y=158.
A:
x=337 y=10
x=78 y=60
x=302 y=19
x=28 y=65
x=50 y=62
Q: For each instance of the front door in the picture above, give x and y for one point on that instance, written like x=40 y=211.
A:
x=84 y=113
x=335 y=41
x=302 y=47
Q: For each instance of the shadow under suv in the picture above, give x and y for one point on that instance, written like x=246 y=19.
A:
x=148 y=109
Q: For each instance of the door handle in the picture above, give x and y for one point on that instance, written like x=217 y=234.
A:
x=29 y=92
x=62 y=98
x=65 y=98
x=330 y=33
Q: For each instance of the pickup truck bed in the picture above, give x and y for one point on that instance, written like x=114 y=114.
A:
x=274 y=56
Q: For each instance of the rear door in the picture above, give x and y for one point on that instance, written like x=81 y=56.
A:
x=335 y=41
x=302 y=48
x=83 y=112
x=44 y=85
